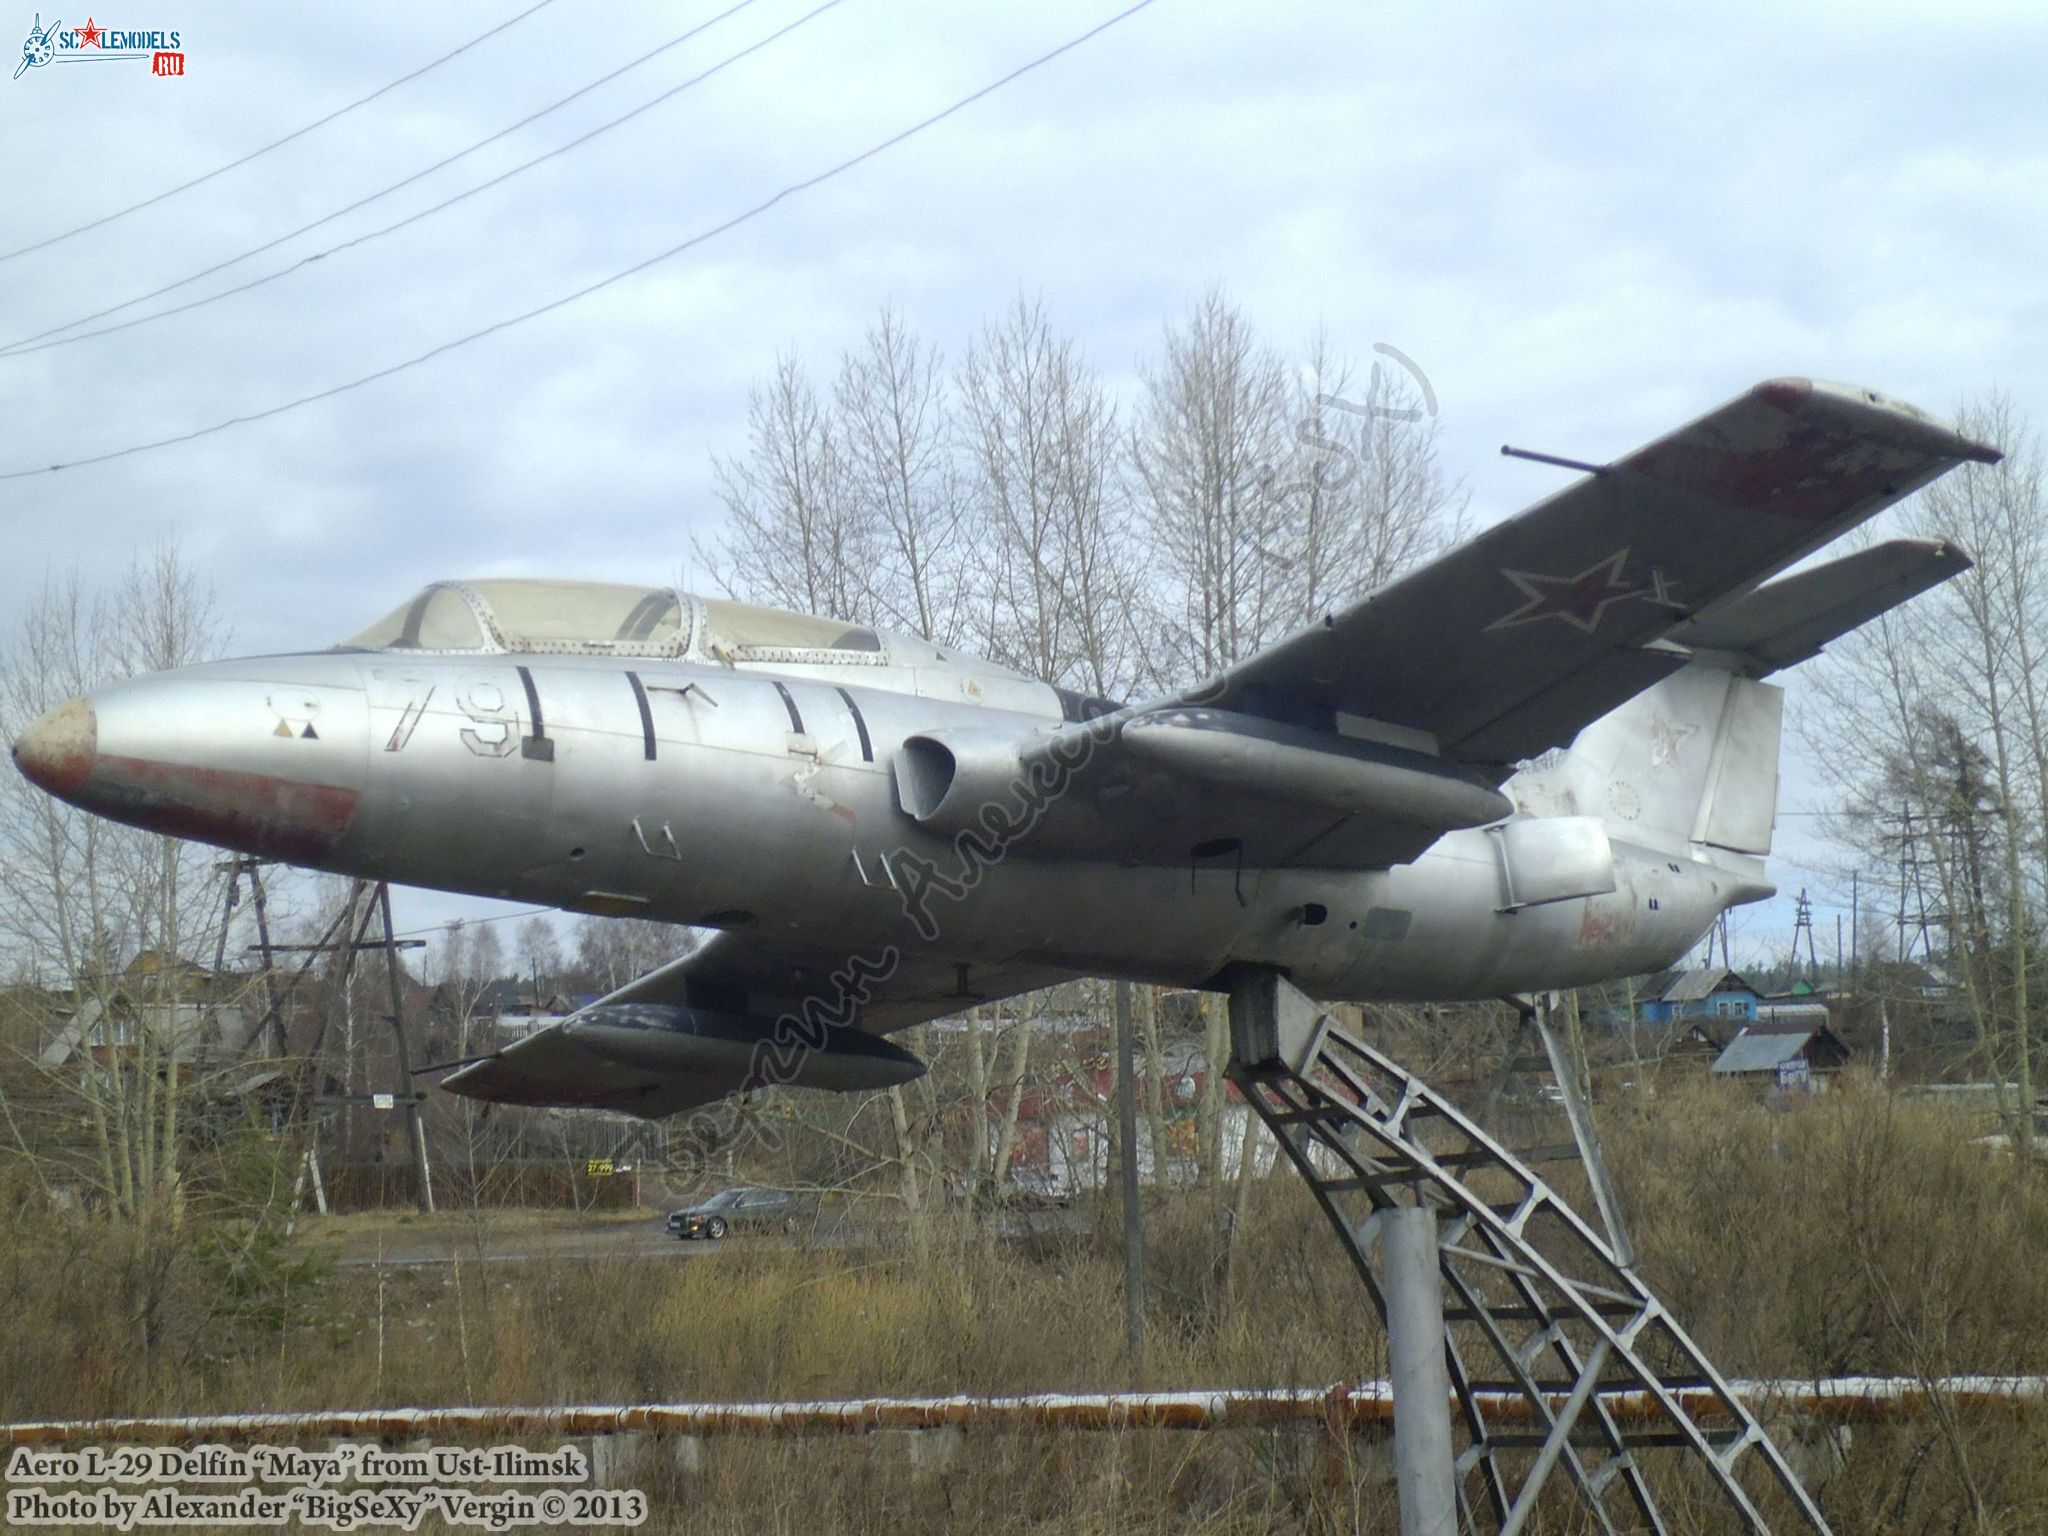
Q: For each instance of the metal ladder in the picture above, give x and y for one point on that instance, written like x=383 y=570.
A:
x=1545 y=1324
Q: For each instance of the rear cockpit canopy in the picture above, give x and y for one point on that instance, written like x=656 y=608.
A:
x=591 y=618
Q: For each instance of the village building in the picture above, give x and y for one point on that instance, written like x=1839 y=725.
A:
x=1792 y=1056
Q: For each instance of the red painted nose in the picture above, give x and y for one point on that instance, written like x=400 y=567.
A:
x=56 y=752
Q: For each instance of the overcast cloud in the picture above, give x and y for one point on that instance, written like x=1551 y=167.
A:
x=1586 y=223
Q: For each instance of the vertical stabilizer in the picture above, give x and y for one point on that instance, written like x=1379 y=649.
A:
x=1693 y=759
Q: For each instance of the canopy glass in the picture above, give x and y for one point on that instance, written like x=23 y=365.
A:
x=602 y=618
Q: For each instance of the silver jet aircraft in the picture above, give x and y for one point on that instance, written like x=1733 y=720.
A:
x=1546 y=759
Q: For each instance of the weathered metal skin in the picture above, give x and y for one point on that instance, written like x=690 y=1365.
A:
x=427 y=770
x=265 y=756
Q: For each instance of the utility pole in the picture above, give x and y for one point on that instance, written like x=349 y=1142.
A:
x=1802 y=923
x=1855 y=921
x=1905 y=841
x=374 y=901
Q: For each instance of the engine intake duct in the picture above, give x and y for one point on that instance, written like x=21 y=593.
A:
x=1274 y=761
x=945 y=783
x=671 y=1039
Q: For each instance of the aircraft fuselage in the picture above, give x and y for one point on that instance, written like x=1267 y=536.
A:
x=724 y=796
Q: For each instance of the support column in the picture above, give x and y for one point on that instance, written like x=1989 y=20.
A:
x=1425 y=1466
x=1134 y=1219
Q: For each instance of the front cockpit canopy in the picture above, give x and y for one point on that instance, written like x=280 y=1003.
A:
x=609 y=619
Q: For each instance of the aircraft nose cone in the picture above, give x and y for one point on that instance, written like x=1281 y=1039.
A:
x=56 y=752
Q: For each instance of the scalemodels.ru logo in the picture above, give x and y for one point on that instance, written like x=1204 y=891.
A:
x=93 y=43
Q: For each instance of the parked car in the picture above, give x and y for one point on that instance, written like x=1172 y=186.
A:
x=731 y=1209
x=1033 y=1187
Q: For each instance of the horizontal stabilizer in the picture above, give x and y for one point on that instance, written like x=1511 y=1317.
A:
x=1788 y=621
x=1511 y=643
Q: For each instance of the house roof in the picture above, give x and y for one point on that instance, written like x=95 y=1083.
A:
x=1655 y=984
x=1761 y=1050
x=1801 y=1019
x=1692 y=986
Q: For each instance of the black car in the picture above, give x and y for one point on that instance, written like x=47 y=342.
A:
x=730 y=1209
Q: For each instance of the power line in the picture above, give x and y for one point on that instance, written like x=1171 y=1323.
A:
x=296 y=133
x=447 y=202
x=26 y=344
x=475 y=922
x=792 y=190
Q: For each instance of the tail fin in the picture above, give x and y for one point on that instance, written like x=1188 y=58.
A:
x=1694 y=759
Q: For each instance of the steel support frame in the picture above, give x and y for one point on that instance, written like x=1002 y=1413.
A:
x=1531 y=1288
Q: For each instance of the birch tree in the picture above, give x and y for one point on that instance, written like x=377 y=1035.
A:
x=900 y=483
x=1207 y=447
x=1041 y=439
x=108 y=923
x=794 y=538
x=1366 y=496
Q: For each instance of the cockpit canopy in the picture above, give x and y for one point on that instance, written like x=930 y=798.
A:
x=592 y=618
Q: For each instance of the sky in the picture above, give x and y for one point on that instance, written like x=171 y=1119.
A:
x=1586 y=224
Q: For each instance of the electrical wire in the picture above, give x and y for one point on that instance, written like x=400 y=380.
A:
x=296 y=133
x=441 y=928
x=794 y=189
x=28 y=343
x=428 y=212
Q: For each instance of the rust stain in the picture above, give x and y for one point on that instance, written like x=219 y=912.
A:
x=253 y=812
x=1597 y=928
x=1786 y=464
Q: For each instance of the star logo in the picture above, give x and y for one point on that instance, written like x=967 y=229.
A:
x=89 y=35
x=1666 y=737
x=1581 y=601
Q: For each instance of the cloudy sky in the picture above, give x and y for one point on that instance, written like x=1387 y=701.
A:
x=1586 y=223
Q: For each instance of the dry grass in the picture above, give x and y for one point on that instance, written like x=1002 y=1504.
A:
x=1858 y=1234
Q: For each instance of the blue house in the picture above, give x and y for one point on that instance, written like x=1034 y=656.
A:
x=1709 y=995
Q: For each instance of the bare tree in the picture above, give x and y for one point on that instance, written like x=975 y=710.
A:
x=1994 y=656
x=794 y=536
x=1043 y=444
x=900 y=481
x=611 y=951
x=540 y=954
x=1365 y=496
x=1208 y=446
x=484 y=961
x=1938 y=733
x=110 y=924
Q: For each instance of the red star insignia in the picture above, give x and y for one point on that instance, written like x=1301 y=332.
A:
x=1581 y=601
x=89 y=35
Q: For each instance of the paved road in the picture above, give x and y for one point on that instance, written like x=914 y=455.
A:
x=406 y=1247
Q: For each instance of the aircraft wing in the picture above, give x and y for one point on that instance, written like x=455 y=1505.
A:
x=1356 y=743
x=740 y=1011
x=744 y=971
x=1509 y=644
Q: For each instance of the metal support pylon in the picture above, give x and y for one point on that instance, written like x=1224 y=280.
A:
x=1534 y=1294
